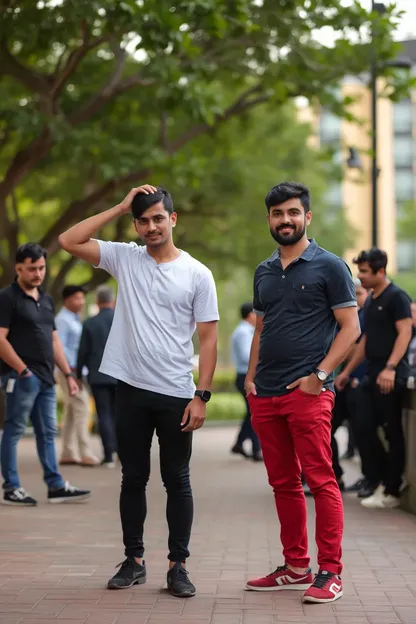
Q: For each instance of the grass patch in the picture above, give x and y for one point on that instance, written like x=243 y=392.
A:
x=226 y=406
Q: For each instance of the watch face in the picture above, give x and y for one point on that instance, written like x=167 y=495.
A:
x=322 y=376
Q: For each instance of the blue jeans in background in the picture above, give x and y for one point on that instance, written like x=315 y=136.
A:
x=30 y=397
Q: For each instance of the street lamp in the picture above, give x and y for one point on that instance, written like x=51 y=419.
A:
x=400 y=63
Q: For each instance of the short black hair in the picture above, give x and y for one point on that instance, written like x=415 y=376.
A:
x=70 y=290
x=34 y=251
x=141 y=202
x=246 y=309
x=288 y=190
x=376 y=258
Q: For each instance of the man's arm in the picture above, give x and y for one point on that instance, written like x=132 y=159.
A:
x=59 y=354
x=8 y=354
x=357 y=357
x=78 y=240
x=62 y=329
x=194 y=414
x=387 y=377
x=349 y=332
x=254 y=357
x=83 y=351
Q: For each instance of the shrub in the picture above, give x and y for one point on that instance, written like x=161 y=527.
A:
x=224 y=380
x=226 y=406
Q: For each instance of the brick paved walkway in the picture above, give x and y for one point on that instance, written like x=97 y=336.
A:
x=55 y=560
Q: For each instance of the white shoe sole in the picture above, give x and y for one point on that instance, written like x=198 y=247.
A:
x=310 y=599
x=74 y=499
x=16 y=504
x=293 y=587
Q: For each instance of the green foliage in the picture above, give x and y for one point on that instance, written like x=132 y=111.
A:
x=226 y=406
x=224 y=380
x=98 y=96
x=406 y=224
x=407 y=281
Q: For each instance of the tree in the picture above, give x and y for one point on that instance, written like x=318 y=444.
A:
x=97 y=96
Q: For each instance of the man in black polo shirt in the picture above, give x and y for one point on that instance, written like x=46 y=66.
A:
x=29 y=348
x=301 y=294
x=385 y=342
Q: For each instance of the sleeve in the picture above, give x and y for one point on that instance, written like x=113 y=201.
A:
x=83 y=350
x=110 y=256
x=6 y=310
x=257 y=305
x=340 y=286
x=205 y=303
x=400 y=306
x=63 y=331
x=242 y=347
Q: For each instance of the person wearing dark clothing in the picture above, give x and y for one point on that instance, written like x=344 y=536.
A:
x=240 y=354
x=103 y=387
x=385 y=343
x=346 y=400
x=29 y=349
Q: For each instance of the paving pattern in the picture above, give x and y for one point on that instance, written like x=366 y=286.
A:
x=55 y=559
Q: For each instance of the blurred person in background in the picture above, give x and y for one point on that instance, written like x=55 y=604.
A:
x=103 y=387
x=412 y=349
x=76 y=439
x=384 y=344
x=346 y=400
x=29 y=349
x=240 y=354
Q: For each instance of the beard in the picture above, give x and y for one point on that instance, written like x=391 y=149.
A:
x=288 y=239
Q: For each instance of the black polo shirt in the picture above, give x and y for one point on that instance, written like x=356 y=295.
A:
x=381 y=315
x=30 y=324
x=298 y=322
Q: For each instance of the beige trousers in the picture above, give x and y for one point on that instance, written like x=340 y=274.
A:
x=75 y=434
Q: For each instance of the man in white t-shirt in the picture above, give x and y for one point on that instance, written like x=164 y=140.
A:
x=163 y=295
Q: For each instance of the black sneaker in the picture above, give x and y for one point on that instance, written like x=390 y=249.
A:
x=239 y=450
x=130 y=573
x=18 y=497
x=68 y=494
x=178 y=582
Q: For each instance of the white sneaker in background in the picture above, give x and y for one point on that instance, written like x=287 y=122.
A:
x=375 y=501
x=390 y=501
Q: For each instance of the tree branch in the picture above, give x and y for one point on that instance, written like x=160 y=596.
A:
x=107 y=93
x=242 y=104
x=74 y=59
x=31 y=79
x=80 y=209
x=59 y=280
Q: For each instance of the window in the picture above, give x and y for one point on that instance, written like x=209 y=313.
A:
x=333 y=196
x=402 y=117
x=403 y=151
x=406 y=255
x=404 y=184
x=329 y=127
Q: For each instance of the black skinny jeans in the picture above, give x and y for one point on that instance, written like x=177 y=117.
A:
x=381 y=410
x=105 y=398
x=139 y=413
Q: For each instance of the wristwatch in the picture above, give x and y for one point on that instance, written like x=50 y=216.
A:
x=204 y=395
x=321 y=374
x=71 y=374
x=24 y=372
x=390 y=367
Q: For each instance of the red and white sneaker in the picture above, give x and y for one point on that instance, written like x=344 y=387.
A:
x=282 y=578
x=326 y=587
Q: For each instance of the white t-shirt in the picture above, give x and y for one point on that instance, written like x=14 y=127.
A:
x=157 y=308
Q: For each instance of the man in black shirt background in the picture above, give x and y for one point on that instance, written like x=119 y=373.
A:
x=385 y=343
x=29 y=349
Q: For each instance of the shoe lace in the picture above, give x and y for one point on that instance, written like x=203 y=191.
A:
x=282 y=568
x=127 y=563
x=322 y=578
x=69 y=488
x=20 y=493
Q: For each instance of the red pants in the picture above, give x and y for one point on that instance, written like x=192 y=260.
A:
x=295 y=435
